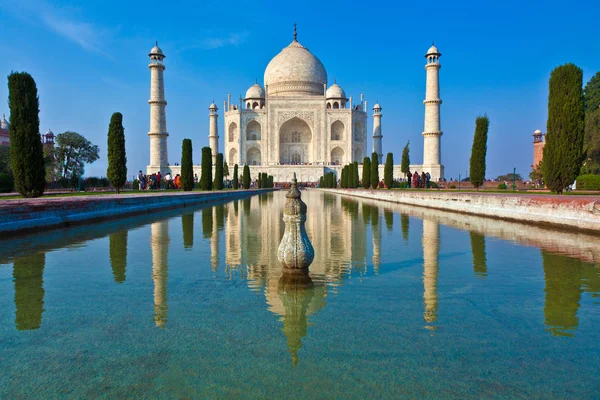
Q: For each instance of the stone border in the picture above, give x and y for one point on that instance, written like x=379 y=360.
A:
x=579 y=213
x=23 y=216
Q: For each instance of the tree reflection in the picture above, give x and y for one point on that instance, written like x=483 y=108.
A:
x=207 y=222
x=187 y=225
x=388 y=215
x=563 y=293
x=479 y=255
x=117 y=244
x=404 y=221
x=28 y=276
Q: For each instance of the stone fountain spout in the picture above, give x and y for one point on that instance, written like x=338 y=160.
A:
x=295 y=251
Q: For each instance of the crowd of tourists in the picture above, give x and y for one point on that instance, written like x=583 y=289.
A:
x=157 y=181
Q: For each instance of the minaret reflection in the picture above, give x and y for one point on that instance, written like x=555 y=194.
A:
x=117 y=244
x=376 y=238
x=28 y=276
x=187 y=226
x=431 y=250
x=479 y=255
x=160 y=270
x=563 y=293
x=214 y=239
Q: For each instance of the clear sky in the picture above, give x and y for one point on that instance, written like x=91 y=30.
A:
x=89 y=59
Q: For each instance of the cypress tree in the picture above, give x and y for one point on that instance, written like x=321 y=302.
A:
x=117 y=160
x=374 y=171
x=225 y=169
x=405 y=165
x=206 y=173
x=187 y=166
x=218 y=184
x=351 y=176
x=563 y=152
x=478 y=152
x=366 y=173
x=321 y=182
x=246 y=177
x=26 y=150
x=356 y=177
x=260 y=180
x=388 y=171
x=345 y=177
x=236 y=180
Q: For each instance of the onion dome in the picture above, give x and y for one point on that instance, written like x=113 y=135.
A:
x=335 y=91
x=213 y=106
x=433 y=51
x=377 y=106
x=537 y=132
x=255 y=92
x=49 y=133
x=295 y=71
x=156 y=51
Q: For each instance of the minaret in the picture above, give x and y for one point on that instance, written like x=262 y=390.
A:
x=377 y=132
x=432 y=132
x=158 y=118
x=213 y=131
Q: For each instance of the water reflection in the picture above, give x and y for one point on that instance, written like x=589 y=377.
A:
x=28 y=277
x=431 y=251
x=187 y=226
x=117 y=245
x=479 y=256
x=159 y=243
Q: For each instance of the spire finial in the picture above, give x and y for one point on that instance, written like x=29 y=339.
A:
x=157 y=43
x=256 y=81
x=295 y=33
x=432 y=43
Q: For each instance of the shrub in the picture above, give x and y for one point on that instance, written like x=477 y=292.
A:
x=433 y=185
x=136 y=185
x=452 y=186
x=502 y=186
x=7 y=184
x=218 y=184
x=236 y=181
x=588 y=182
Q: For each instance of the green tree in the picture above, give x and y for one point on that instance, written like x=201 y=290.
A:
x=206 y=169
x=236 y=180
x=509 y=177
x=72 y=151
x=388 y=171
x=355 y=174
x=246 y=178
x=592 y=142
x=405 y=165
x=344 y=180
x=26 y=154
x=350 y=176
x=374 y=171
x=591 y=94
x=479 y=151
x=225 y=169
x=219 y=172
x=563 y=152
x=117 y=160
x=366 y=173
x=187 y=165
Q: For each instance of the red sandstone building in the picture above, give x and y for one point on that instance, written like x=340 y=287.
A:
x=538 y=148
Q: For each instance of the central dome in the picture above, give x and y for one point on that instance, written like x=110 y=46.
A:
x=295 y=71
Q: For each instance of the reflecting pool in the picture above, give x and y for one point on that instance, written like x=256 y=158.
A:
x=401 y=302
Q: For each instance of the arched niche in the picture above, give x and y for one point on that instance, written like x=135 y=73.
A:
x=336 y=105
x=233 y=157
x=337 y=130
x=295 y=142
x=253 y=130
x=233 y=131
x=253 y=156
x=337 y=155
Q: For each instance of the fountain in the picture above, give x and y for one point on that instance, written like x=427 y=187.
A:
x=295 y=251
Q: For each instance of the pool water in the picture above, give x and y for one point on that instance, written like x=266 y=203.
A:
x=401 y=302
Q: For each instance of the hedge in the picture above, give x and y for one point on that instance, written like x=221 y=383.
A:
x=588 y=182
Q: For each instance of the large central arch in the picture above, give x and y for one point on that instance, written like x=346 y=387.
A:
x=295 y=142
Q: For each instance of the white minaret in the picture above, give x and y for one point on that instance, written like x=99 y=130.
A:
x=432 y=131
x=377 y=132
x=159 y=159
x=213 y=131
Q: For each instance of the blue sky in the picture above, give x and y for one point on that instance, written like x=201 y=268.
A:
x=89 y=59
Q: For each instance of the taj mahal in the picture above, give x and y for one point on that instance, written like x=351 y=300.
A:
x=296 y=123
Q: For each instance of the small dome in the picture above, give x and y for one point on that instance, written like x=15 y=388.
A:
x=255 y=92
x=335 y=91
x=156 y=51
x=3 y=122
x=377 y=106
x=49 y=133
x=213 y=106
x=433 y=51
x=537 y=132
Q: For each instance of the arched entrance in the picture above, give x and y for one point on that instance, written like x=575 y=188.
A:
x=295 y=142
x=253 y=156
x=253 y=131
x=233 y=158
x=337 y=156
